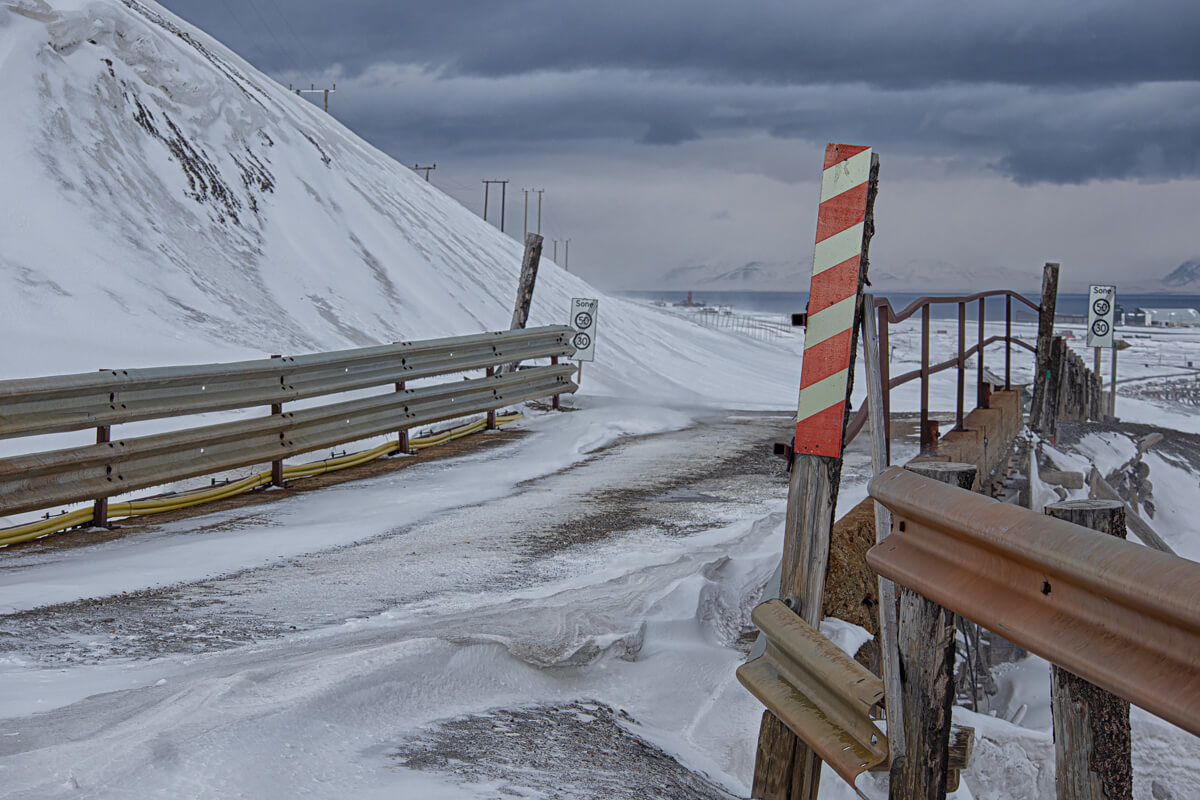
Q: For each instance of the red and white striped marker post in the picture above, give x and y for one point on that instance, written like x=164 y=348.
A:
x=833 y=300
x=785 y=767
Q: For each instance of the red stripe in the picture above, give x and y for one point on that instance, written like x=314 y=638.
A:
x=844 y=211
x=821 y=434
x=840 y=152
x=825 y=358
x=833 y=285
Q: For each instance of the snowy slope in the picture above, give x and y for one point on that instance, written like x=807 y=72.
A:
x=164 y=202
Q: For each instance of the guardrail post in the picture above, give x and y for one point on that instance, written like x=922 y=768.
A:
x=927 y=673
x=1040 y=407
x=491 y=415
x=100 y=507
x=927 y=439
x=1091 y=726
x=983 y=397
x=1008 y=342
x=277 y=466
x=402 y=439
x=554 y=400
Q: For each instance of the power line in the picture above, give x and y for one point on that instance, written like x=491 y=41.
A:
x=418 y=168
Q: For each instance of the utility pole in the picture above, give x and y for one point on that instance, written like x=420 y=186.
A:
x=314 y=90
x=539 y=192
x=567 y=255
x=526 y=234
x=418 y=168
x=556 y=251
x=503 y=194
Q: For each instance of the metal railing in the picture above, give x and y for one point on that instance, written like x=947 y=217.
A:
x=889 y=316
x=1122 y=616
x=110 y=467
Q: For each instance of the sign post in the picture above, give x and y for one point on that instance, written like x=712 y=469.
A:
x=1102 y=305
x=583 y=319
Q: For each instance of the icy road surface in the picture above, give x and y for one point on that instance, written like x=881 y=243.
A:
x=483 y=626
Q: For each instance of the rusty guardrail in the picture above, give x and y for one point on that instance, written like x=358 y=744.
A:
x=821 y=694
x=1122 y=616
x=888 y=315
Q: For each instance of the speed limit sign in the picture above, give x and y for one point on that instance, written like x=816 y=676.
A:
x=583 y=320
x=1102 y=301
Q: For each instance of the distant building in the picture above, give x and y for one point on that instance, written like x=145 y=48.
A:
x=1165 y=317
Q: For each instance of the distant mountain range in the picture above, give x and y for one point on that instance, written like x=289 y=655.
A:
x=793 y=276
x=934 y=277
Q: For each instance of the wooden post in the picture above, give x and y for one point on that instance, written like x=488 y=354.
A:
x=1091 y=726
x=100 y=507
x=1112 y=394
x=491 y=415
x=554 y=401
x=529 y=270
x=1039 y=408
x=927 y=674
x=785 y=768
x=277 y=466
x=402 y=446
x=889 y=637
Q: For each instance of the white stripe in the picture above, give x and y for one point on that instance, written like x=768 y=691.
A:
x=829 y=322
x=822 y=394
x=845 y=175
x=838 y=248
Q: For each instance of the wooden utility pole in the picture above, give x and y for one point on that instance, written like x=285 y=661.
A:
x=785 y=767
x=526 y=232
x=1039 y=409
x=503 y=195
x=418 y=168
x=567 y=255
x=314 y=90
x=529 y=270
x=927 y=674
x=1091 y=726
x=539 y=218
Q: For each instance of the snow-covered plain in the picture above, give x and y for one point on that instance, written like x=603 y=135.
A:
x=165 y=203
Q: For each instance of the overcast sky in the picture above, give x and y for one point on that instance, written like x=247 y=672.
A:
x=669 y=133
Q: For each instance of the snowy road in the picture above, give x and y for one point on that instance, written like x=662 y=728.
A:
x=597 y=607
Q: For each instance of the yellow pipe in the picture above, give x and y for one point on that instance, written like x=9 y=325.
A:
x=137 y=508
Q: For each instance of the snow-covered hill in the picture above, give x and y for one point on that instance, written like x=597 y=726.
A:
x=164 y=202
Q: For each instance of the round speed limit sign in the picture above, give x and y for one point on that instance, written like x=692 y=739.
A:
x=1101 y=307
x=1100 y=327
x=581 y=341
x=583 y=320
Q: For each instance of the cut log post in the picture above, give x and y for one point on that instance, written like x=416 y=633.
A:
x=1091 y=726
x=889 y=626
x=529 y=270
x=1039 y=408
x=927 y=674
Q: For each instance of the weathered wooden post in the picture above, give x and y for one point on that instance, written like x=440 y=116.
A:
x=889 y=628
x=927 y=674
x=491 y=415
x=529 y=270
x=100 y=507
x=785 y=768
x=1091 y=726
x=1039 y=407
x=277 y=465
x=402 y=446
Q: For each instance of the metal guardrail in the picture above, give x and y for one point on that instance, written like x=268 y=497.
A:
x=109 y=397
x=1122 y=616
x=821 y=694
x=40 y=480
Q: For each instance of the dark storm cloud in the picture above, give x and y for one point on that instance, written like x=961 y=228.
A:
x=1039 y=91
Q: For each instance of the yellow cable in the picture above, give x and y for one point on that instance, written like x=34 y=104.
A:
x=195 y=497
